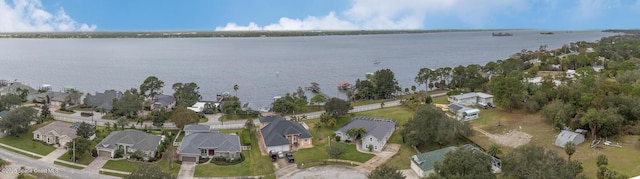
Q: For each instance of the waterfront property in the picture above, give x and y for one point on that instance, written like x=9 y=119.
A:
x=129 y=141
x=102 y=101
x=13 y=88
x=568 y=136
x=377 y=131
x=56 y=133
x=281 y=135
x=161 y=101
x=207 y=145
x=423 y=163
x=51 y=97
x=463 y=112
x=476 y=98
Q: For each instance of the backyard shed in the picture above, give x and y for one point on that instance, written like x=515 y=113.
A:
x=566 y=136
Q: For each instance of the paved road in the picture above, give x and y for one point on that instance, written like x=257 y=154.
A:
x=215 y=124
x=56 y=170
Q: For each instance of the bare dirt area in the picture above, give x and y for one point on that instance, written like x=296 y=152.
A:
x=323 y=172
x=513 y=138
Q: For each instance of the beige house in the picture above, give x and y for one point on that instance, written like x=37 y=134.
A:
x=55 y=133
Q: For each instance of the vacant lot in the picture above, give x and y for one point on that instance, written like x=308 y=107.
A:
x=499 y=121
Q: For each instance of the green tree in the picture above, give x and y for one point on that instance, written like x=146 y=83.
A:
x=129 y=104
x=159 y=116
x=494 y=150
x=186 y=94
x=284 y=104
x=152 y=85
x=431 y=125
x=16 y=121
x=385 y=83
x=507 y=91
x=183 y=116
x=336 y=150
x=602 y=160
x=332 y=122
x=569 y=148
x=82 y=146
x=44 y=111
x=317 y=99
x=386 y=172
x=148 y=171
x=604 y=172
x=356 y=133
x=85 y=130
x=122 y=121
x=423 y=78
x=464 y=164
x=9 y=101
x=231 y=105
x=74 y=97
x=324 y=118
x=250 y=126
x=337 y=107
x=532 y=161
x=235 y=88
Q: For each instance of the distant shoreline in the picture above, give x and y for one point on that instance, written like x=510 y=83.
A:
x=226 y=34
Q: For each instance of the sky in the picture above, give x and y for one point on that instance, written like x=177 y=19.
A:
x=206 y=15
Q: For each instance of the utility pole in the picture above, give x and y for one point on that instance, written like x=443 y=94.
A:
x=74 y=151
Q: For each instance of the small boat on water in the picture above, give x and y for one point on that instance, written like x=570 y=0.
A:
x=376 y=62
x=501 y=34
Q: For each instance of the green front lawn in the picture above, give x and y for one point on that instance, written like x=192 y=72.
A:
x=167 y=164
x=85 y=159
x=203 y=120
x=366 y=102
x=25 y=141
x=319 y=151
x=122 y=165
x=254 y=164
x=440 y=100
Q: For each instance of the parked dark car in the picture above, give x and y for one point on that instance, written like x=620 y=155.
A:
x=491 y=105
x=290 y=158
x=274 y=156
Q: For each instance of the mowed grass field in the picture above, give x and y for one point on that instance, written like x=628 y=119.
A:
x=624 y=160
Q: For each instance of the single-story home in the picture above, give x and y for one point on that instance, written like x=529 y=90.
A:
x=52 y=97
x=566 y=136
x=378 y=131
x=103 y=101
x=463 y=112
x=264 y=121
x=55 y=133
x=281 y=135
x=208 y=145
x=423 y=163
x=130 y=141
x=167 y=102
x=12 y=88
x=471 y=98
x=195 y=128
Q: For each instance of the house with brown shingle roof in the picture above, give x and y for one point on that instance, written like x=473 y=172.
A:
x=55 y=133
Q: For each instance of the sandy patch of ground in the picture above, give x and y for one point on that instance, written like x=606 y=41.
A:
x=513 y=138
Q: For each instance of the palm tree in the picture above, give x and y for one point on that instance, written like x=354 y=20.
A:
x=494 y=150
x=570 y=148
x=235 y=88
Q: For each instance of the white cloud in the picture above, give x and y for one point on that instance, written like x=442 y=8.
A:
x=396 y=14
x=30 y=16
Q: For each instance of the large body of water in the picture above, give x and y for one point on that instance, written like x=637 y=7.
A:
x=262 y=67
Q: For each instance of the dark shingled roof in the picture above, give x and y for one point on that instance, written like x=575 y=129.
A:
x=164 y=99
x=103 y=100
x=267 y=119
x=138 y=139
x=376 y=127
x=274 y=133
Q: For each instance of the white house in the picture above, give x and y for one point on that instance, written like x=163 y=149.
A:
x=471 y=98
x=378 y=131
x=464 y=113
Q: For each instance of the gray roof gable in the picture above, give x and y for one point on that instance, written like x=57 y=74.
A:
x=268 y=119
x=59 y=127
x=274 y=133
x=192 y=143
x=164 y=99
x=377 y=127
x=136 y=139
x=103 y=100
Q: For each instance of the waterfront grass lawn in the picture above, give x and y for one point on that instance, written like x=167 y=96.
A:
x=122 y=165
x=85 y=159
x=543 y=134
x=25 y=141
x=254 y=164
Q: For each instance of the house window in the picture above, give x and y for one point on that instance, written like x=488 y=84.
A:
x=48 y=140
x=306 y=140
x=203 y=151
x=375 y=147
x=371 y=139
x=37 y=136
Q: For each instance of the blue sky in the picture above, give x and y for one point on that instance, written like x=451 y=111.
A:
x=159 y=15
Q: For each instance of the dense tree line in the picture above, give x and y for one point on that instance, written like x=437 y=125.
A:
x=380 y=85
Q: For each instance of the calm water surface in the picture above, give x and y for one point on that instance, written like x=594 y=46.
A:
x=262 y=67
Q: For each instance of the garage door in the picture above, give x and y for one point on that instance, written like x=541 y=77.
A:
x=188 y=159
x=105 y=154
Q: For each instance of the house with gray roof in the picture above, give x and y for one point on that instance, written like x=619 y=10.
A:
x=264 y=121
x=102 y=101
x=56 y=133
x=13 y=89
x=471 y=98
x=282 y=135
x=53 y=98
x=167 y=102
x=207 y=145
x=129 y=141
x=378 y=131
x=195 y=128
x=423 y=163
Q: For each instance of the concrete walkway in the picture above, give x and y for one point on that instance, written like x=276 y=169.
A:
x=389 y=151
x=96 y=165
x=53 y=156
x=187 y=169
